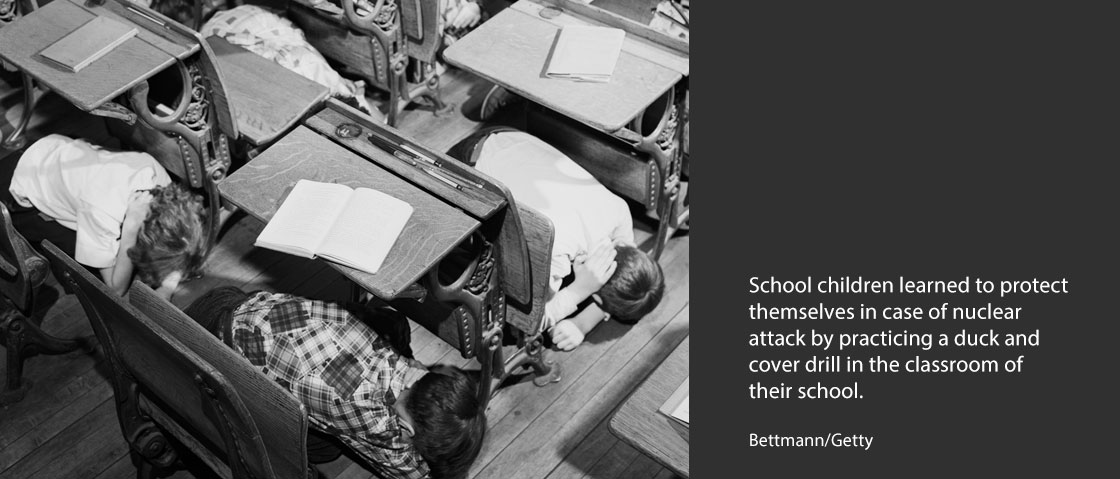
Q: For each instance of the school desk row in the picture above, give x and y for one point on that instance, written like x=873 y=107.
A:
x=244 y=130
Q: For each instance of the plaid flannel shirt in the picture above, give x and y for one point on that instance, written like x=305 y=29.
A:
x=344 y=373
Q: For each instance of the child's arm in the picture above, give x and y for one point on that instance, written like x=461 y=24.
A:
x=569 y=333
x=169 y=285
x=465 y=14
x=119 y=275
x=591 y=272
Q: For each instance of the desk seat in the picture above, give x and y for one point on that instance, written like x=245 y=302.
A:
x=267 y=99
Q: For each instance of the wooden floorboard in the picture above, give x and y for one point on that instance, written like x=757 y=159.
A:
x=612 y=464
x=122 y=468
x=515 y=441
x=59 y=454
x=586 y=454
x=642 y=466
x=67 y=426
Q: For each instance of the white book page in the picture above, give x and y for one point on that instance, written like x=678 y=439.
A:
x=586 y=52
x=305 y=218
x=681 y=412
x=366 y=230
x=676 y=406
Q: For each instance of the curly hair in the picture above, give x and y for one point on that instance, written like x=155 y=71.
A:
x=173 y=237
x=635 y=288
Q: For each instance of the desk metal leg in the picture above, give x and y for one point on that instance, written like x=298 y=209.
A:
x=17 y=140
x=665 y=207
x=530 y=354
x=402 y=93
x=397 y=83
x=22 y=338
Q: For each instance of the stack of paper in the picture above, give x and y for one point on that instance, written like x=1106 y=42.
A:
x=585 y=53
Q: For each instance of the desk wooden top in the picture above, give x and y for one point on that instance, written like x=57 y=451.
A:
x=638 y=422
x=434 y=229
x=512 y=48
x=263 y=113
x=154 y=48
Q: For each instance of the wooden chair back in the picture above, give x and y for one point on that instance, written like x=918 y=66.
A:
x=530 y=240
x=266 y=99
x=392 y=44
x=485 y=285
x=22 y=269
x=539 y=236
x=170 y=372
x=536 y=232
x=420 y=25
x=363 y=44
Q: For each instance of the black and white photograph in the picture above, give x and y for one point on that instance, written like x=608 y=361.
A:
x=344 y=239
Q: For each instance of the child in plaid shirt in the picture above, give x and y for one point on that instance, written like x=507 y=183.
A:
x=409 y=421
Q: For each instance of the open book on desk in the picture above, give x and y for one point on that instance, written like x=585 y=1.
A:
x=355 y=227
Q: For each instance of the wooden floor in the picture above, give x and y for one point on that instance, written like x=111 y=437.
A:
x=67 y=428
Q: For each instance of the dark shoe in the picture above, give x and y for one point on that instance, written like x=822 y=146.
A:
x=497 y=98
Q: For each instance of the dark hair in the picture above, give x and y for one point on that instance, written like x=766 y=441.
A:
x=448 y=420
x=635 y=288
x=172 y=238
x=214 y=309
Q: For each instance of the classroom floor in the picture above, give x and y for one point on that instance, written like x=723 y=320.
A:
x=67 y=427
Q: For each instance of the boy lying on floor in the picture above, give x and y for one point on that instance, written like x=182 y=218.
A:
x=344 y=363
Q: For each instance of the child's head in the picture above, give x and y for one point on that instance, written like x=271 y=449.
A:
x=635 y=288
x=172 y=238
x=448 y=420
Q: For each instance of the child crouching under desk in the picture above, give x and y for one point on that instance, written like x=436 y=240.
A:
x=115 y=212
x=596 y=272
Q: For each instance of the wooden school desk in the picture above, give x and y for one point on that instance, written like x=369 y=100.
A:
x=213 y=110
x=512 y=49
x=639 y=423
x=442 y=218
x=155 y=47
x=332 y=146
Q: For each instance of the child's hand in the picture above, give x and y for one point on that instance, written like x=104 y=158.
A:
x=138 y=206
x=593 y=270
x=467 y=15
x=169 y=285
x=566 y=335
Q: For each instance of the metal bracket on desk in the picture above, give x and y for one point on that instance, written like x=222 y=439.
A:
x=115 y=110
x=480 y=311
x=665 y=146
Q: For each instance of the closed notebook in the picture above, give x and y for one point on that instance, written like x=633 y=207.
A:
x=88 y=43
x=585 y=53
